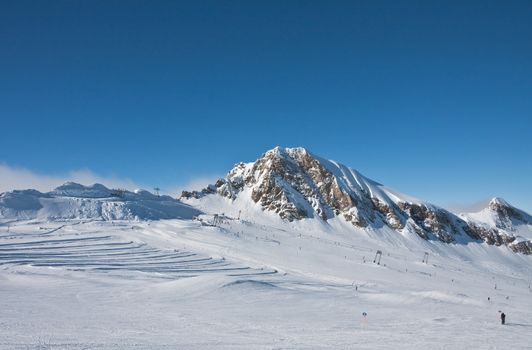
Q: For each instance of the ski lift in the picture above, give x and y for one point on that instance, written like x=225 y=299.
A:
x=378 y=257
x=216 y=220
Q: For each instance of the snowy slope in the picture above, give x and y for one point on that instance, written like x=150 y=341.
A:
x=254 y=283
x=75 y=201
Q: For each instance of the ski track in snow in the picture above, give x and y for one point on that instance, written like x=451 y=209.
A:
x=92 y=251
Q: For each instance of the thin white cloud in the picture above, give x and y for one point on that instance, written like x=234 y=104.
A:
x=12 y=178
x=474 y=207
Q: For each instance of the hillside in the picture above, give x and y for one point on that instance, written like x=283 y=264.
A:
x=97 y=202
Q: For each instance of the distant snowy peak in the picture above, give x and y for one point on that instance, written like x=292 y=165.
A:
x=75 y=201
x=500 y=214
x=503 y=223
x=296 y=184
x=72 y=189
x=506 y=215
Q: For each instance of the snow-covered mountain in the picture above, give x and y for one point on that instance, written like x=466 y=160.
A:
x=286 y=244
x=296 y=184
x=75 y=201
x=293 y=184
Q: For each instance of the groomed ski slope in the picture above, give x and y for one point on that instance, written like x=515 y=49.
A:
x=253 y=283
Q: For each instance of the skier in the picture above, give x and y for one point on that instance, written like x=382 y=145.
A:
x=503 y=318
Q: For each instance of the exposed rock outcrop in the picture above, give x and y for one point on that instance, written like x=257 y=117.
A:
x=296 y=184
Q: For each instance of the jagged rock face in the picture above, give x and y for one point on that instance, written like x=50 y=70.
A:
x=277 y=177
x=392 y=214
x=524 y=247
x=431 y=220
x=490 y=235
x=295 y=184
x=271 y=193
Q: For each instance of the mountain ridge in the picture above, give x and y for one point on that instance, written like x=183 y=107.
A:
x=296 y=184
x=75 y=201
x=293 y=184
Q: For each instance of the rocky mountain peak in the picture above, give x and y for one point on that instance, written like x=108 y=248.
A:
x=497 y=202
x=506 y=215
x=296 y=184
x=293 y=183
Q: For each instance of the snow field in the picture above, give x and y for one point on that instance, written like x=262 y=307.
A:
x=253 y=284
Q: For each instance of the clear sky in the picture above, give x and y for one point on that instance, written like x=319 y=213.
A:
x=432 y=98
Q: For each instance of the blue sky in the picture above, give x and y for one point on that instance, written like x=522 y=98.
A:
x=432 y=98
